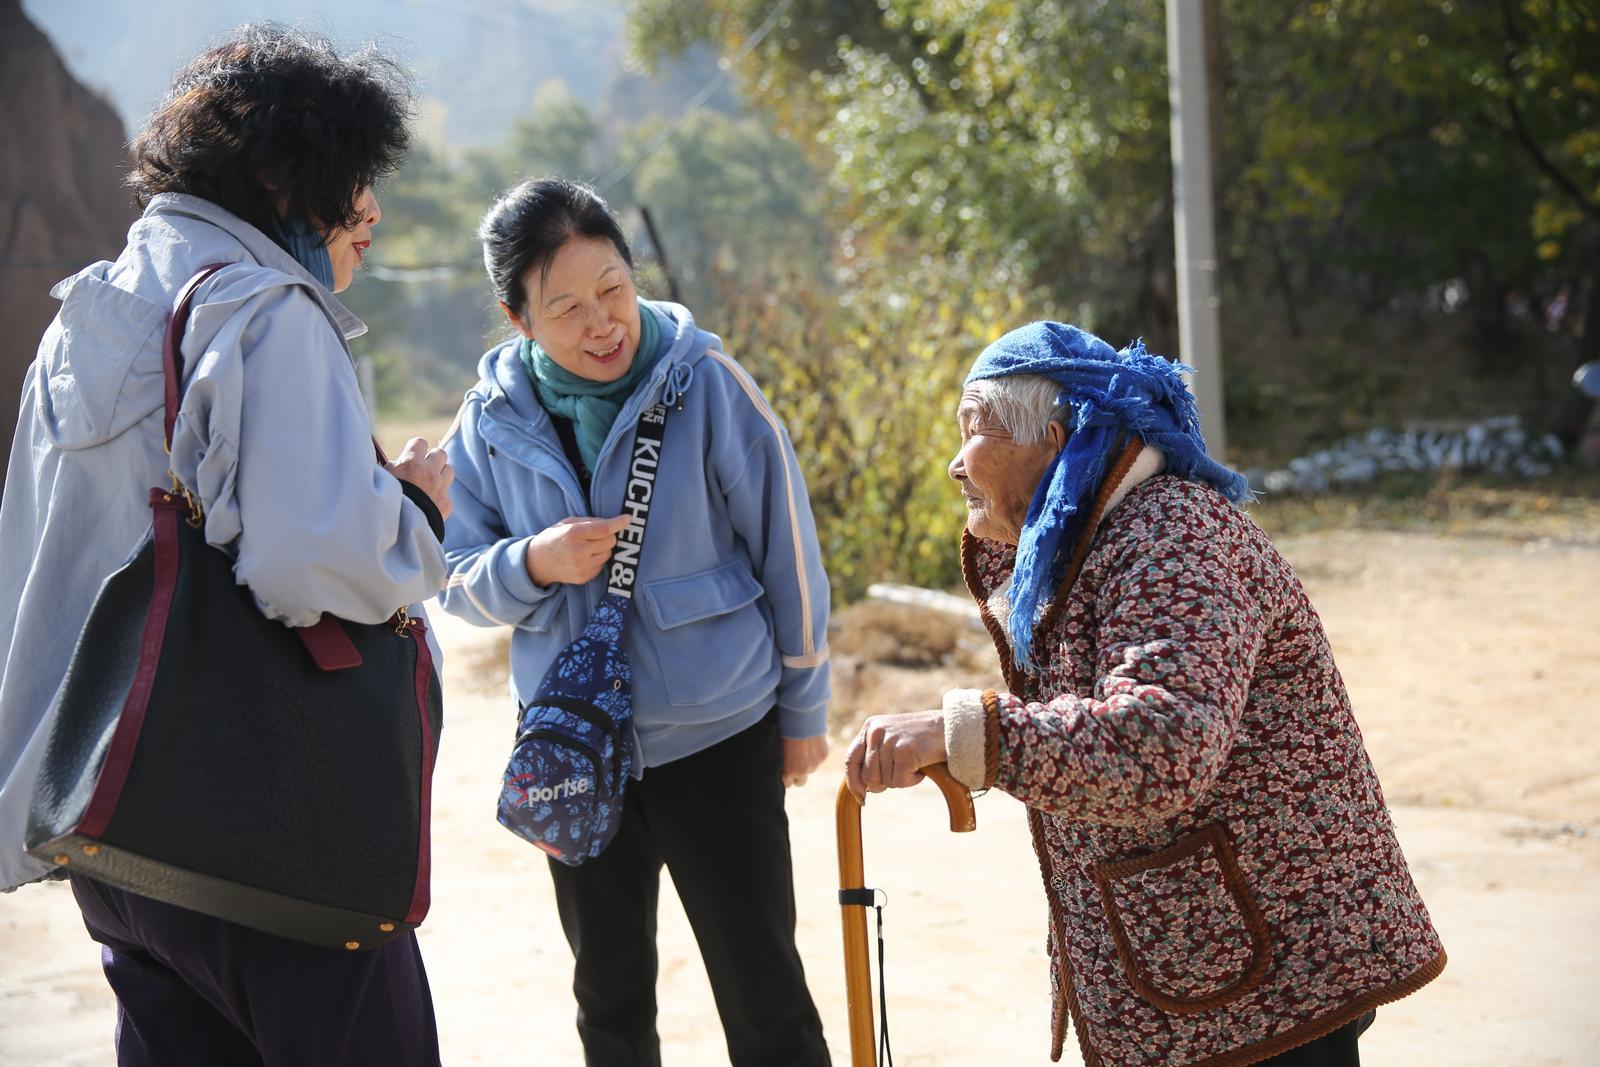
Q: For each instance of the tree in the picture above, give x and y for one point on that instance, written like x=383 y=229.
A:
x=1421 y=143
x=1380 y=158
x=736 y=204
x=1036 y=131
x=865 y=370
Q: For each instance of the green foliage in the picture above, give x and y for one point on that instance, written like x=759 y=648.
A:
x=734 y=203
x=866 y=372
x=425 y=335
x=1037 y=131
x=1416 y=143
x=1374 y=152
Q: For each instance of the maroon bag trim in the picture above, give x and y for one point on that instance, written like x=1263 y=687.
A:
x=165 y=509
x=330 y=647
x=420 y=896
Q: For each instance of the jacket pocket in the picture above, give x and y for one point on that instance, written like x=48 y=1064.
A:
x=1189 y=935
x=709 y=632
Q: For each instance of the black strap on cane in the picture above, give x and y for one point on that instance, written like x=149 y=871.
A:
x=868 y=898
x=623 y=568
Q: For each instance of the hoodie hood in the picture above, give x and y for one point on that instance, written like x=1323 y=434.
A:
x=113 y=315
x=86 y=388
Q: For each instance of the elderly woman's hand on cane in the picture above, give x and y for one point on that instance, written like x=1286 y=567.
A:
x=891 y=751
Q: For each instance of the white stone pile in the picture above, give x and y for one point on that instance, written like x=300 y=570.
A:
x=1496 y=445
x=927 y=600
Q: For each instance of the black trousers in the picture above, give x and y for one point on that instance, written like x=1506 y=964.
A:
x=194 y=990
x=716 y=821
x=1337 y=1049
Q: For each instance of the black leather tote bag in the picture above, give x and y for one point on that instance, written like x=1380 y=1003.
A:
x=204 y=755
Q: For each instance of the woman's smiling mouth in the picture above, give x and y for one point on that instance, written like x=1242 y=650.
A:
x=609 y=354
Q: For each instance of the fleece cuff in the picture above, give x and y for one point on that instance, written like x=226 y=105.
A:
x=965 y=736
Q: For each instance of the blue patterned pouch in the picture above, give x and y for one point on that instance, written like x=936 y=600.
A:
x=564 y=784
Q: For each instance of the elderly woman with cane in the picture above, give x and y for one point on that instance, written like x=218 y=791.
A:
x=1224 y=882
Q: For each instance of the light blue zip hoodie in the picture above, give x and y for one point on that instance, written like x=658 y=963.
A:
x=731 y=604
x=273 y=435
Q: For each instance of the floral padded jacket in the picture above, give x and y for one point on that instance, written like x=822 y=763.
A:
x=1222 y=872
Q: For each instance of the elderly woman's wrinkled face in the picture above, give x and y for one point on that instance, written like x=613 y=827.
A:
x=997 y=475
x=584 y=312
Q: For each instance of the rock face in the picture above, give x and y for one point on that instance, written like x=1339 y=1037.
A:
x=62 y=204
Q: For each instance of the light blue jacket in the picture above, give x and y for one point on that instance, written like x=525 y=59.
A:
x=731 y=603
x=273 y=434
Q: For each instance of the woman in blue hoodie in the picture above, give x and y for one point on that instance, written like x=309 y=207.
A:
x=728 y=644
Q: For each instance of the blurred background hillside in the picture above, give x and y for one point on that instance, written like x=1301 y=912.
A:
x=857 y=196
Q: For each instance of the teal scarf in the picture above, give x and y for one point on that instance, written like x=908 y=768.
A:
x=309 y=248
x=592 y=406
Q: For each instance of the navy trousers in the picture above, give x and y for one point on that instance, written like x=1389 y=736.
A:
x=193 y=990
x=716 y=821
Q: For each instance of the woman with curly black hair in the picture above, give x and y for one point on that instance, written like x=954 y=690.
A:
x=262 y=157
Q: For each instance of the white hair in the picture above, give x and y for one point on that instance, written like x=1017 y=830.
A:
x=1024 y=405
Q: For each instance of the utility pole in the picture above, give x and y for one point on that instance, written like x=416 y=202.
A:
x=1189 y=67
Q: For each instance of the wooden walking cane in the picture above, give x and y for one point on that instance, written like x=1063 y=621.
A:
x=853 y=912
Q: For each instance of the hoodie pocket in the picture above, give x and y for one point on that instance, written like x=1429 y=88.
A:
x=1187 y=931
x=708 y=631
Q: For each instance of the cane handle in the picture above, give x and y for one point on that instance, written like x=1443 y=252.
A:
x=963 y=820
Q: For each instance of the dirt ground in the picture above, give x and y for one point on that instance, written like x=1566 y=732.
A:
x=1471 y=659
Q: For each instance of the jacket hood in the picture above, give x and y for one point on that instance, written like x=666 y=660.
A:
x=99 y=364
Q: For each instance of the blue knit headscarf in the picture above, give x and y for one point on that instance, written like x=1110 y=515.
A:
x=1113 y=395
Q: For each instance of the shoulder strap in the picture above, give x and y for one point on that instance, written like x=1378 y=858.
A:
x=171 y=347
x=636 y=499
x=172 y=355
x=326 y=640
